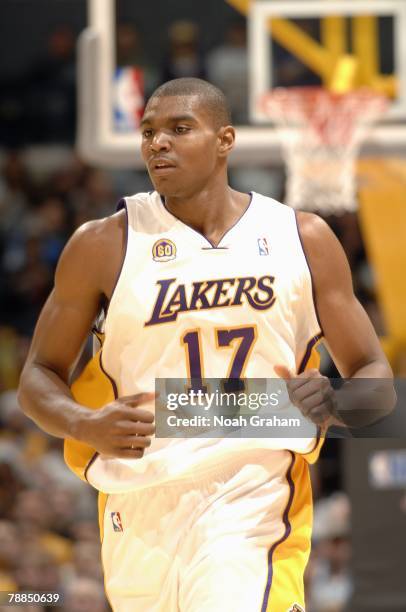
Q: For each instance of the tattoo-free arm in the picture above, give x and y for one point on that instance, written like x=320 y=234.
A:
x=349 y=335
x=85 y=272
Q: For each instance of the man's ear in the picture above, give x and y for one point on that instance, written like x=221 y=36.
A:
x=226 y=137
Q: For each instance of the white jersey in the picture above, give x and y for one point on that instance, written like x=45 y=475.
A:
x=177 y=308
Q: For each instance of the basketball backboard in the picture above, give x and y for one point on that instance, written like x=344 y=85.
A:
x=100 y=142
x=348 y=31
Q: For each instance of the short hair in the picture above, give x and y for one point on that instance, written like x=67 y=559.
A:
x=211 y=97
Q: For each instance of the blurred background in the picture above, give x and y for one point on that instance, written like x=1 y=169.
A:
x=49 y=536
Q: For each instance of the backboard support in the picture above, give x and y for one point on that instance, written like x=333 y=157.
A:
x=265 y=20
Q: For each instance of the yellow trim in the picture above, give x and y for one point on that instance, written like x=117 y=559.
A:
x=92 y=389
x=313 y=455
x=314 y=359
x=314 y=363
x=290 y=557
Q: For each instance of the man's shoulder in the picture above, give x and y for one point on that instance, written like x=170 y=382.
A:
x=322 y=248
x=109 y=232
x=312 y=227
x=95 y=254
x=96 y=230
x=98 y=241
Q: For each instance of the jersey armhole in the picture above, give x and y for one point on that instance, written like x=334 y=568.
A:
x=122 y=205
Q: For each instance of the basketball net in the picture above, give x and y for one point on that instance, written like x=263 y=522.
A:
x=321 y=133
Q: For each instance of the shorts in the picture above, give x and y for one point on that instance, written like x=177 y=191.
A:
x=235 y=540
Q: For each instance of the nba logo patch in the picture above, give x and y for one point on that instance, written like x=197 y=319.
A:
x=263 y=246
x=296 y=608
x=163 y=250
x=128 y=99
x=116 y=520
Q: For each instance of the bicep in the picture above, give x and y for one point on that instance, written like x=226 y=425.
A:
x=349 y=335
x=60 y=333
x=348 y=332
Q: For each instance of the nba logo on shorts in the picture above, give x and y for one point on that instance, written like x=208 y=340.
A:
x=116 y=520
x=296 y=608
x=263 y=246
x=163 y=250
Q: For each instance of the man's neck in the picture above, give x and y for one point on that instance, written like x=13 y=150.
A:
x=211 y=212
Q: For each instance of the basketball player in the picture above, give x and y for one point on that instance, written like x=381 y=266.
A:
x=196 y=277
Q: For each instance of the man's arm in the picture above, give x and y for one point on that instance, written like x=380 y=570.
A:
x=349 y=336
x=85 y=275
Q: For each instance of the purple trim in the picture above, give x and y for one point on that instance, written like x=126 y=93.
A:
x=92 y=460
x=302 y=368
x=308 y=352
x=288 y=529
x=251 y=194
x=96 y=333
x=113 y=382
x=311 y=275
x=122 y=205
x=213 y=248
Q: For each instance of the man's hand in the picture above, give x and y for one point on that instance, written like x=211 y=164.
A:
x=121 y=428
x=312 y=393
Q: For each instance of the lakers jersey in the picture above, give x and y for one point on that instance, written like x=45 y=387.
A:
x=183 y=308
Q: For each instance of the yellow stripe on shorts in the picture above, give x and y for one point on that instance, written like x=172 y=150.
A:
x=288 y=557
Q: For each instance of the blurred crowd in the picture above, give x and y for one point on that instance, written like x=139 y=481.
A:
x=49 y=538
x=48 y=522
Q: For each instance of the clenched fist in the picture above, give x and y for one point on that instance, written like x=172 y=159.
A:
x=121 y=428
x=312 y=393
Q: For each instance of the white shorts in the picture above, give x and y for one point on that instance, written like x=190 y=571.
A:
x=236 y=540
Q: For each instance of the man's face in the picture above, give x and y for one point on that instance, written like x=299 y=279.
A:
x=180 y=145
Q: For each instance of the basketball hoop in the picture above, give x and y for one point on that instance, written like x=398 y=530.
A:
x=321 y=133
